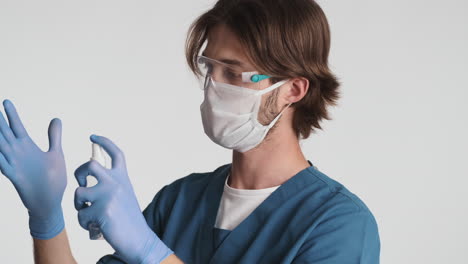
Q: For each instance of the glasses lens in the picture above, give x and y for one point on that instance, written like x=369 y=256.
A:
x=220 y=72
x=225 y=73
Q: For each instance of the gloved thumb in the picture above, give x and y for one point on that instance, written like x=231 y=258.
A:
x=55 y=135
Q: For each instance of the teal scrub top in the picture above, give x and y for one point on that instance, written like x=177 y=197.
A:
x=310 y=218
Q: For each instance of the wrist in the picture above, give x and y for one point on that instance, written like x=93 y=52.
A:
x=154 y=250
x=46 y=227
x=151 y=250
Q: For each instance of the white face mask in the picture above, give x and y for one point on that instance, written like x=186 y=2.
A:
x=229 y=115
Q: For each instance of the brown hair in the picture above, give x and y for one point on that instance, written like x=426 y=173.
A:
x=284 y=39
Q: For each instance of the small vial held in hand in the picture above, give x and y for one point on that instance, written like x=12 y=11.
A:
x=97 y=155
x=95 y=232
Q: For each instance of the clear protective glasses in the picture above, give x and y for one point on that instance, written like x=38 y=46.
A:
x=228 y=74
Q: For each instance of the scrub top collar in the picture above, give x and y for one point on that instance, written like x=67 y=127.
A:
x=254 y=220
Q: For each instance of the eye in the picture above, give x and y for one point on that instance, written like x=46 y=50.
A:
x=231 y=75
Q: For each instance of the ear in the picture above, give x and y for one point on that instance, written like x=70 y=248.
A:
x=298 y=88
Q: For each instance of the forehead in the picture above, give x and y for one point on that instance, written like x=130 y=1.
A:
x=224 y=45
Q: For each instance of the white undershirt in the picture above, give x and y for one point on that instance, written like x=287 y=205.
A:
x=237 y=204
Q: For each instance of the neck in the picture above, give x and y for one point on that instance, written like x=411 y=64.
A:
x=278 y=158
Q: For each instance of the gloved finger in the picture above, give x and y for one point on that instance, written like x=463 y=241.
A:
x=55 y=135
x=5 y=167
x=83 y=195
x=92 y=168
x=118 y=159
x=5 y=149
x=5 y=129
x=15 y=122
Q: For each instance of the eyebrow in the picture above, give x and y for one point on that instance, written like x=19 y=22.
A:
x=227 y=61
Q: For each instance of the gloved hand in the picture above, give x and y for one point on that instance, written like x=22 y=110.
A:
x=39 y=177
x=115 y=209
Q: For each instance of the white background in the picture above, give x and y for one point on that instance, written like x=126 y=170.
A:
x=117 y=68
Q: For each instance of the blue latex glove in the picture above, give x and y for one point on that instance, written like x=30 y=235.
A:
x=39 y=177
x=115 y=209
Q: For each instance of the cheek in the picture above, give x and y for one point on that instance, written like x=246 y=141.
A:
x=268 y=108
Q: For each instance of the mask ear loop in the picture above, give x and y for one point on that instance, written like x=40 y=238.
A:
x=206 y=81
x=264 y=91
x=278 y=116
x=271 y=88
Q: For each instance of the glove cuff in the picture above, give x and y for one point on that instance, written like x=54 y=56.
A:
x=155 y=251
x=47 y=228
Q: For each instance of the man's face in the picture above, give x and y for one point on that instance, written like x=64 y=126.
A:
x=223 y=45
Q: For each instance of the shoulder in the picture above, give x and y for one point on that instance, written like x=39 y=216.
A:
x=340 y=218
x=333 y=190
x=333 y=205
